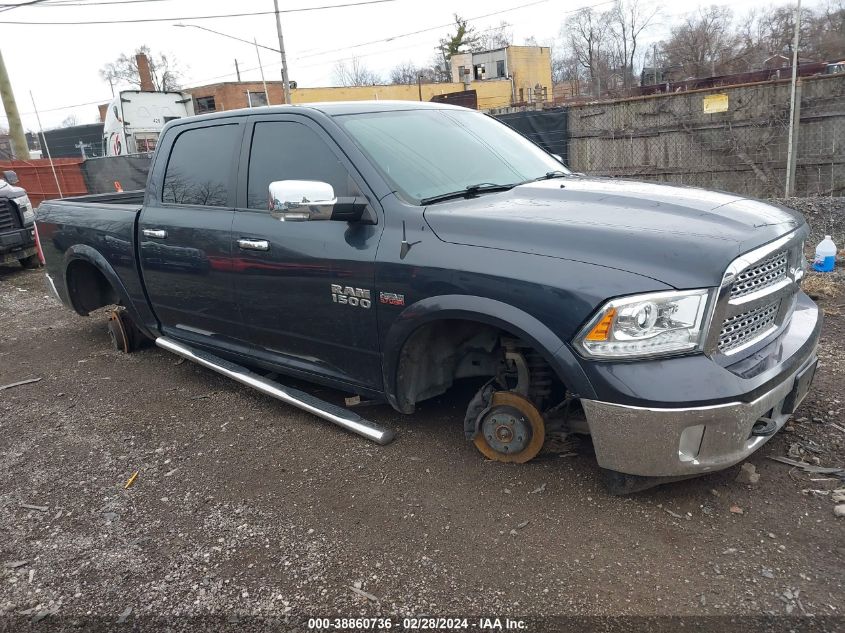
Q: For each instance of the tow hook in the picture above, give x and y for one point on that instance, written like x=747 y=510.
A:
x=764 y=427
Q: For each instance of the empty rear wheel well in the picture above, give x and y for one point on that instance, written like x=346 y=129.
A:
x=438 y=353
x=88 y=287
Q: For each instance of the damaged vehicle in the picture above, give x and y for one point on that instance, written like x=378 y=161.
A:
x=389 y=249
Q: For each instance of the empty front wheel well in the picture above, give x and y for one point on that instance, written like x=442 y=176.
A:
x=440 y=352
x=88 y=287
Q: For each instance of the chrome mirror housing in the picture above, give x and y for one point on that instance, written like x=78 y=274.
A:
x=11 y=177
x=301 y=200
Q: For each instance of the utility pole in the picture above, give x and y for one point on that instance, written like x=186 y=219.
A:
x=261 y=68
x=793 y=133
x=237 y=70
x=654 y=62
x=19 y=147
x=285 y=78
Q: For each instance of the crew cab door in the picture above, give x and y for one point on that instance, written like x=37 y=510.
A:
x=185 y=231
x=286 y=271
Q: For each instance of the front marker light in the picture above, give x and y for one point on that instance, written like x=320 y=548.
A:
x=644 y=325
x=27 y=212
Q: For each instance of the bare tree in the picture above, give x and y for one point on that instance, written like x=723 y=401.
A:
x=70 y=121
x=124 y=70
x=628 y=19
x=493 y=38
x=354 y=73
x=705 y=43
x=828 y=31
x=405 y=73
x=586 y=33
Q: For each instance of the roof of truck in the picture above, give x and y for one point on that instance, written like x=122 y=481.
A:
x=357 y=107
x=332 y=108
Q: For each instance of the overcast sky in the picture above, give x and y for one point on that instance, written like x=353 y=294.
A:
x=60 y=63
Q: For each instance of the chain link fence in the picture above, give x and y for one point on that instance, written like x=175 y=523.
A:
x=732 y=138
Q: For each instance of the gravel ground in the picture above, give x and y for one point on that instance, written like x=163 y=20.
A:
x=245 y=507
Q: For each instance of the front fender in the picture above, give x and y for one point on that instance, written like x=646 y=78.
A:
x=83 y=252
x=483 y=310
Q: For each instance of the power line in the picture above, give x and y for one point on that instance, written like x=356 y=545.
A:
x=68 y=107
x=74 y=3
x=403 y=35
x=443 y=26
x=9 y=7
x=196 y=17
x=426 y=30
x=231 y=37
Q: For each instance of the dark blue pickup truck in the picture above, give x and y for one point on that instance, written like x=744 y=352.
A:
x=389 y=249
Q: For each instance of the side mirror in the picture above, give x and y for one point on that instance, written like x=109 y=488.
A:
x=11 y=177
x=304 y=200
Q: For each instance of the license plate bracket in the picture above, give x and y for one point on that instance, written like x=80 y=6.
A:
x=799 y=390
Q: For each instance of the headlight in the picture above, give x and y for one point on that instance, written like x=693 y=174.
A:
x=27 y=212
x=650 y=324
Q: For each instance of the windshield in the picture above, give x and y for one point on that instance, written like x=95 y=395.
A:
x=428 y=153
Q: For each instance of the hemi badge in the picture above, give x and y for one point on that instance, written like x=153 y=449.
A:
x=391 y=298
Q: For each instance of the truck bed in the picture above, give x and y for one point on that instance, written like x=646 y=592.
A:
x=98 y=229
x=135 y=198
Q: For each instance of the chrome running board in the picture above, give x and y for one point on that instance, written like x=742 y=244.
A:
x=338 y=415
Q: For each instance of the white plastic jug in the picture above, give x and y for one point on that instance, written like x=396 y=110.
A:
x=825 y=255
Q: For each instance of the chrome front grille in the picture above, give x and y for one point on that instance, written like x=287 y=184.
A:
x=8 y=216
x=767 y=273
x=757 y=297
x=747 y=326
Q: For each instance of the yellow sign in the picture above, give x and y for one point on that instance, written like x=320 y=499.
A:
x=715 y=103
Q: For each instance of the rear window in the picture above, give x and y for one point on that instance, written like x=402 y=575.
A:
x=200 y=167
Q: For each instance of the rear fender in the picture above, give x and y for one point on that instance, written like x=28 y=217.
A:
x=488 y=311
x=83 y=252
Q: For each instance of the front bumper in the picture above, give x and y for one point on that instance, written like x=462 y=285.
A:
x=656 y=441
x=17 y=244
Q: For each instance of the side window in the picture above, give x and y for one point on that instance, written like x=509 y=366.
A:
x=283 y=150
x=200 y=166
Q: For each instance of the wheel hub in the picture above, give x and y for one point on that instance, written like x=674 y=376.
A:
x=506 y=430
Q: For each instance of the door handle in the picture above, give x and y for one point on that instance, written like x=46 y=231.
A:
x=253 y=245
x=159 y=234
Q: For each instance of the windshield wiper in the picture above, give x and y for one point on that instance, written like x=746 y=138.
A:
x=470 y=192
x=552 y=174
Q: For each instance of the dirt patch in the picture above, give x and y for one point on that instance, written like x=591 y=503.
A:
x=246 y=507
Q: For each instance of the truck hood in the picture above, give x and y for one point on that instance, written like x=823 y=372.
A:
x=681 y=236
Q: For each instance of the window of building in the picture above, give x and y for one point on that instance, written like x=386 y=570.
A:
x=256 y=99
x=500 y=68
x=205 y=104
x=479 y=71
x=200 y=167
x=283 y=150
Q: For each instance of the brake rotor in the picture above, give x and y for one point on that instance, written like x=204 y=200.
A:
x=117 y=332
x=511 y=430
